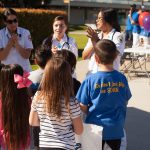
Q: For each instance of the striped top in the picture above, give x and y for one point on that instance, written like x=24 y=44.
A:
x=54 y=132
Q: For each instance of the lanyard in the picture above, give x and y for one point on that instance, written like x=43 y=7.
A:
x=65 y=44
x=111 y=37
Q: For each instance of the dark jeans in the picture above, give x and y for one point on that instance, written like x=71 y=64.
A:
x=51 y=148
x=113 y=144
x=128 y=35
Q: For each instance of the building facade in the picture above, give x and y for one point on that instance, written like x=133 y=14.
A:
x=85 y=11
x=81 y=11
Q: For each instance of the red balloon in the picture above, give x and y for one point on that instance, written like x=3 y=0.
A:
x=141 y=17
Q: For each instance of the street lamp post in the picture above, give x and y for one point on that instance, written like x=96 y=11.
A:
x=68 y=2
x=69 y=11
x=42 y=2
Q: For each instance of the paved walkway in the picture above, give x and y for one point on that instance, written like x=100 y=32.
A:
x=138 y=114
x=78 y=32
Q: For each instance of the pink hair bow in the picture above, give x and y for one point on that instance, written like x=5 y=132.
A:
x=22 y=81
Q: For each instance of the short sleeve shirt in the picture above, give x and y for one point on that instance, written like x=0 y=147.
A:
x=118 y=39
x=136 y=28
x=106 y=95
x=129 y=26
x=14 y=57
x=57 y=133
x=66 y=43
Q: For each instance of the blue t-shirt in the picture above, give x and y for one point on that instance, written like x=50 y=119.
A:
x=106 y=94
x=136 y=28
x=129 y=26
x=144 y=32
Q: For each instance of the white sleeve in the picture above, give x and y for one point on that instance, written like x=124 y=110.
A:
x=89 y=44
x=28 y=40
x=73 y=46
x=119 y=40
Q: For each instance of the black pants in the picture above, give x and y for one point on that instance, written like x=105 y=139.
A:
x=36 y=131
x=128 y=36
x=51 y=148
x=113 y=144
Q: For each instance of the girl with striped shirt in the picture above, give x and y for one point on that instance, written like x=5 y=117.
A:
x=55 y=109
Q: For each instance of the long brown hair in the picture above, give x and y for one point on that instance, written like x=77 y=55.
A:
x=56 y=84
x=15 y=109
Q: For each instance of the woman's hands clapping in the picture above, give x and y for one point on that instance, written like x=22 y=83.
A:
x=91 y=33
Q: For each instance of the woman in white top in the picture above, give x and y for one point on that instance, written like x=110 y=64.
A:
x=15 y=42
x=107 y=23
x=59 y=39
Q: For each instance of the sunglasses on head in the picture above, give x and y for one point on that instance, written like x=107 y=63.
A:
x=12 y=21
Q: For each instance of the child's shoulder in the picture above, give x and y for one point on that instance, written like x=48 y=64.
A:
x=37 y=71
x=73 y=100
x=120 y=74
x=36 y=75
x=103 y=74
x=37 y=97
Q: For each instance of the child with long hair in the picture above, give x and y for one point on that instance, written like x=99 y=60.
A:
x=55 y=109
x=42 y=55
x=15 y=108
x=71 y=59
x=1 y=66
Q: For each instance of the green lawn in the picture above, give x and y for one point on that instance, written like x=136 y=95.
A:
x=81 y=41
x=77 y=27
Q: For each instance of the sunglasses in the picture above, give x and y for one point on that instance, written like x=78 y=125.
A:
x=12 y=21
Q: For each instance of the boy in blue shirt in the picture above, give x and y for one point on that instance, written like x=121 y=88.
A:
x=104 y=95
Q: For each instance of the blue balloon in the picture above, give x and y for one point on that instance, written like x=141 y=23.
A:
x=146 y=23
